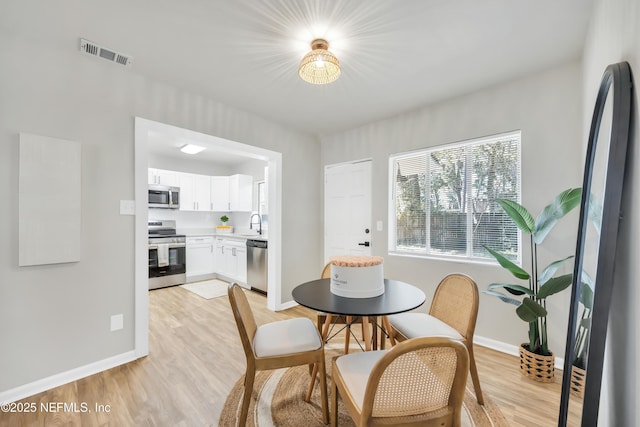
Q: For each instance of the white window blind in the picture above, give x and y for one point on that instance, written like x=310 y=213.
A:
x=444 y=199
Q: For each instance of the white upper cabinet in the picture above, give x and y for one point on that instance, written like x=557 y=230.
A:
x=220 y=193
x=187 y=192
x=232 y=193
x=195 y=192
x=241 y=193
x=208 y=193
x=203 y=193
x=163 y=177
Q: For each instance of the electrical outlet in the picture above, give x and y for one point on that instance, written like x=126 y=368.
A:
x=379 y=226
x=117 y=322
x=127 y=207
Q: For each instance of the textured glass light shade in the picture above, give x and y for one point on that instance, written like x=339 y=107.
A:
x=319 y=66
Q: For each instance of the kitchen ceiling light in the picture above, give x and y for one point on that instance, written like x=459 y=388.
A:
x=191 y=149
x=319 y=66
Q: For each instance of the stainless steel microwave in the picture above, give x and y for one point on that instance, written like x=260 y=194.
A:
x=162 y=196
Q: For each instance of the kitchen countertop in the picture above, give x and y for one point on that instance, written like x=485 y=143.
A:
x=192 y=232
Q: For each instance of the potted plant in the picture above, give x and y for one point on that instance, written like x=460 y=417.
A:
x=583 y=329
x=536 y=359
x=224 y=228
x=581 y=345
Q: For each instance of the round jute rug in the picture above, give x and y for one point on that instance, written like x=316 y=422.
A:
x=278 y=401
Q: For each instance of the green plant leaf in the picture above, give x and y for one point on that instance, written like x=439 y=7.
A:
x=518 y=214
x=561 y=205
x=530 y=311
x=554 y=285
x=551 y=269
x=533 y=336
x=587 y=280
x=512 y=289
x=502 y=297
x=586 y=296
x=509 y=265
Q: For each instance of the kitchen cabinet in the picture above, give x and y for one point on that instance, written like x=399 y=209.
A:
x=220 y=193
x=163 y=177
x=240 y=263
x=241 y=193
x=231 y=259
x=200 y=256
x=221 y=263
x=208 y=193
x=232 y=193
x=195 y=192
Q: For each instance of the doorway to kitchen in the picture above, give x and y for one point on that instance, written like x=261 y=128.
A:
x=145 y=132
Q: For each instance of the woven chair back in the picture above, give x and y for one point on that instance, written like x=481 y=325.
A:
x=245 y=321
x=326 y=271
x=418 y=379
x=416 y=383
x=456 y=303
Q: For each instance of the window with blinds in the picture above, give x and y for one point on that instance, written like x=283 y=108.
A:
x=444 y=199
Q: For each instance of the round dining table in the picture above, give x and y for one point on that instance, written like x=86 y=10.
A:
x=398 y=297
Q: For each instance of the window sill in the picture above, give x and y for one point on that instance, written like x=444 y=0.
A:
x=458 y=260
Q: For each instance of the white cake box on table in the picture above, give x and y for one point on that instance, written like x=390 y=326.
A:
x=357 y=276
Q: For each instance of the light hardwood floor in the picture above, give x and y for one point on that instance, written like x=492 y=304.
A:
x=195 y=357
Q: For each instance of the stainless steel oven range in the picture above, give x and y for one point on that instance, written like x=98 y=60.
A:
x=167 y=255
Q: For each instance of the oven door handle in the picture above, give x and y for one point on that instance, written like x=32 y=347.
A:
x=171 y=246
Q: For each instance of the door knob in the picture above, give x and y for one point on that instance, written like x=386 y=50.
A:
x=367 y=244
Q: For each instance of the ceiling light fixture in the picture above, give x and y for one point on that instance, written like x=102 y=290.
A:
x=191 y=149
x=319 y=66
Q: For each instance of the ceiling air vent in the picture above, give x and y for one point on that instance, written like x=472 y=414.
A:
x=93 y=49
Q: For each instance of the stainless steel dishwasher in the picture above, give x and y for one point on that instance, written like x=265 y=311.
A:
x=257 y=265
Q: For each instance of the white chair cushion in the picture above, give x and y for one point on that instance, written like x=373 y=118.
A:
x=355 y=369
x=414 y=325
x=286 y=337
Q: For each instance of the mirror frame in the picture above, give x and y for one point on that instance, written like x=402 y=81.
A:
x=616 y=77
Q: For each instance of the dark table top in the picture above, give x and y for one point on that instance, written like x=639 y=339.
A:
x=398 y=297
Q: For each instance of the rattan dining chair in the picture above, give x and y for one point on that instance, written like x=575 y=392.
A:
x=275 y=345
x=322 y=316
x=419 y=382
x=453 y=313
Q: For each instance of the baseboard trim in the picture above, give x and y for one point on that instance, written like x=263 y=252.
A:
x=286 y=305
x=62 y=378
x=200 y=277
x=57 y=380
x=496 y=345
x=510 y=349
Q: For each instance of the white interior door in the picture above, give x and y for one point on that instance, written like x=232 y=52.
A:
x=347 y=209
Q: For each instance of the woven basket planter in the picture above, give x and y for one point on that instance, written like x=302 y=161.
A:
x=535 y=366
x=578 y=377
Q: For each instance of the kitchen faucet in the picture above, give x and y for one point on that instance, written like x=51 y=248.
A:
x=259 y=223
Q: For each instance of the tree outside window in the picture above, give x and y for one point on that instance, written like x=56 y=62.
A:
x=444 y=199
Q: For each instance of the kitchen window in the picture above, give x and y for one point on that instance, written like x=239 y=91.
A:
x=443 y=200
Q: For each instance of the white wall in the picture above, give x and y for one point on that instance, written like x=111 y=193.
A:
x=547 y=108
x=614 y=36
x=56 y=318
x=202 y=167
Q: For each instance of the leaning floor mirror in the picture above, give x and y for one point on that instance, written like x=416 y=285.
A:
x=593 y=274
